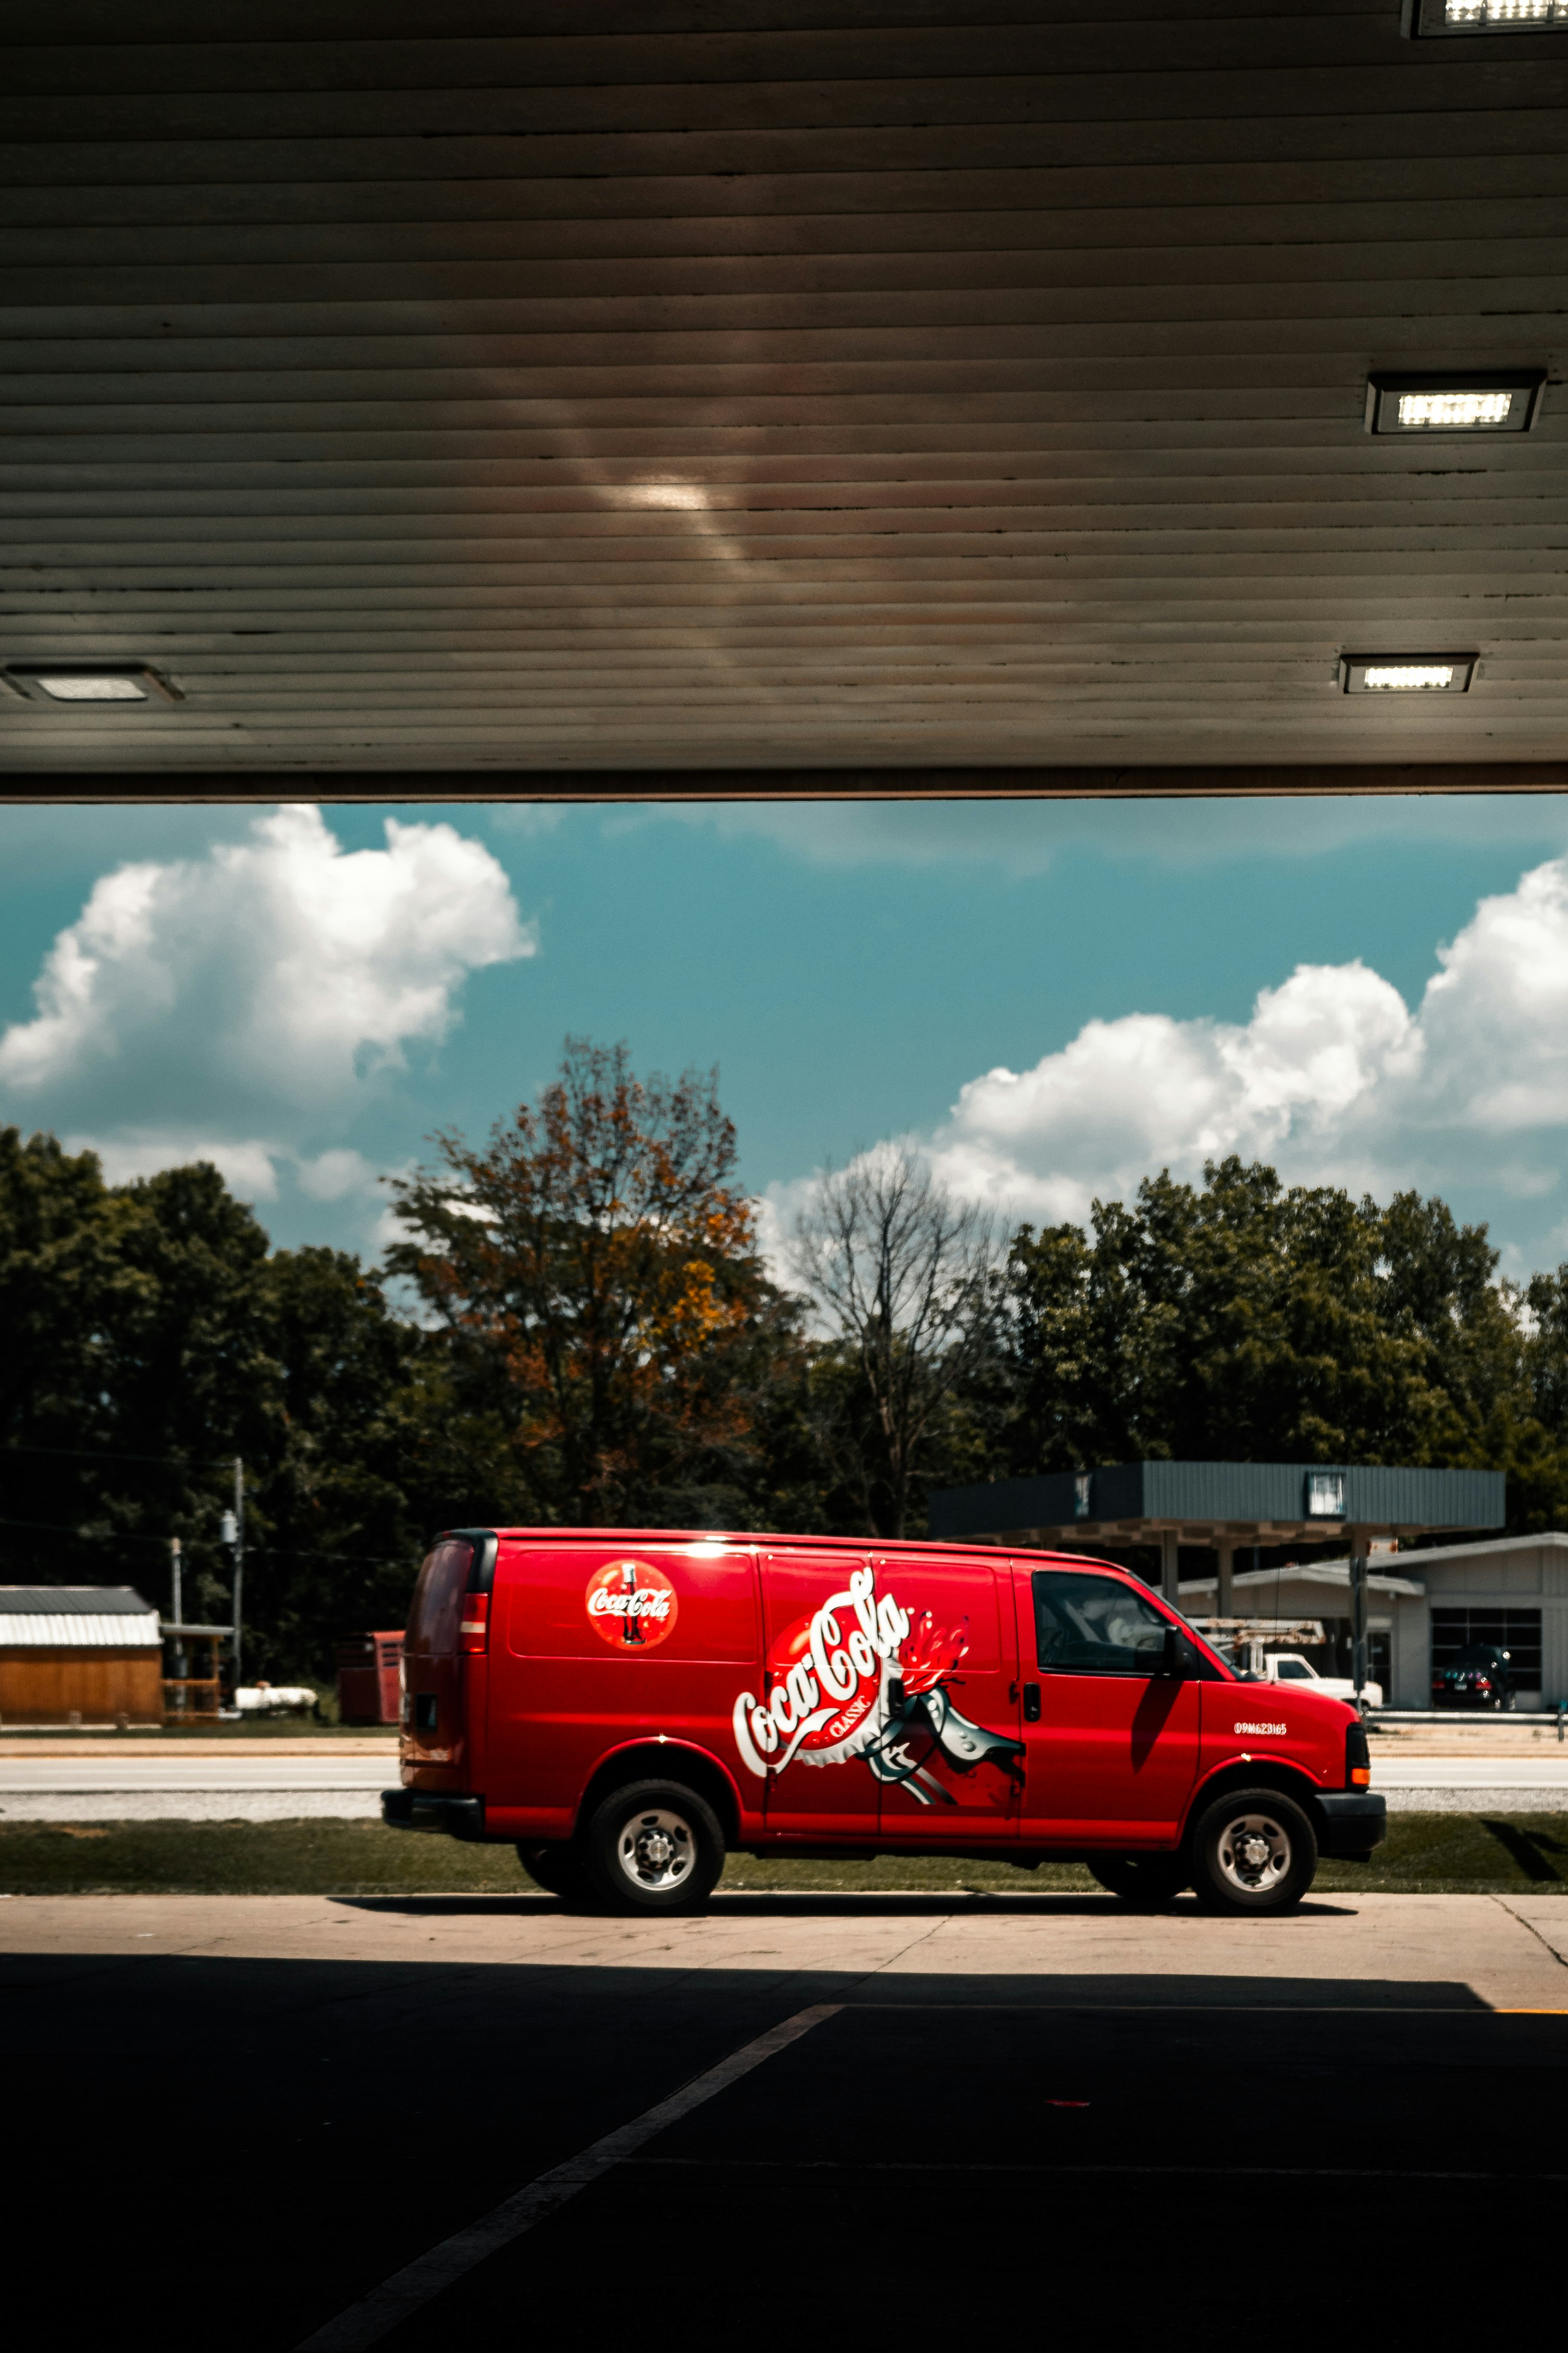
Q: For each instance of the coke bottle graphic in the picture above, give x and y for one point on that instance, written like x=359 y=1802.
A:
x=631 y=1630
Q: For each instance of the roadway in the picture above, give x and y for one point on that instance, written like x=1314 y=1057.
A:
x=427 y=2121
x=286 y=1780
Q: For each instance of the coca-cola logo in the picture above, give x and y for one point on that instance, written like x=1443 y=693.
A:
x=632 y=1605
x=862 y=1679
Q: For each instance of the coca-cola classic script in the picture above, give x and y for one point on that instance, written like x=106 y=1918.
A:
x=862 y=1679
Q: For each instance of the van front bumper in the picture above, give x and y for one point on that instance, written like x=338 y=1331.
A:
x=1354 y=1821
x=428 y=1810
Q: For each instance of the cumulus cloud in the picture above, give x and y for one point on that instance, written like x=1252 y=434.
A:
x=1334 y=1079
x=233 y=1006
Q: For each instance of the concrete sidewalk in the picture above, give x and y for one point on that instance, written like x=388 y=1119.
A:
x=1506 y=1953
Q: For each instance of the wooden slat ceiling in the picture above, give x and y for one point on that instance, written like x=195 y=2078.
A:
x=643 y=385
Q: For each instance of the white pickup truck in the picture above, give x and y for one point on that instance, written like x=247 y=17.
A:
x=1290 y=1667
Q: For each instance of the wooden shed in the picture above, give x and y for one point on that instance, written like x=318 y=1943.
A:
x=87 y=1653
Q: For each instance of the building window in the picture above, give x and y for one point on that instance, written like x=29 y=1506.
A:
x=1517 y=1631
x=1325 y=1495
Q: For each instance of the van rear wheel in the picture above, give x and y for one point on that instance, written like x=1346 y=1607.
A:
x=1141 y=1878
x=653 y=1846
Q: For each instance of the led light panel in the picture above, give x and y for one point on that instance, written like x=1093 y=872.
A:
x=1489 y=400
x=1492 y=16
x=89 y=688
x=1407 y=673
x=121 y=682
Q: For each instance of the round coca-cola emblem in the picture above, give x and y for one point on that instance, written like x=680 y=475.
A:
x=631 y=1605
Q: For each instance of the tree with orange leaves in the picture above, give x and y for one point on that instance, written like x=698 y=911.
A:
x=595 y=1268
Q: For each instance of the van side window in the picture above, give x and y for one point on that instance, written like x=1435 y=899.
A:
x=439 y=1600
x=1094 y=1626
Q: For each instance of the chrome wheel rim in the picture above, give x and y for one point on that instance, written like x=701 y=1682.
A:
x=657 y=1850
x=1253 y=1852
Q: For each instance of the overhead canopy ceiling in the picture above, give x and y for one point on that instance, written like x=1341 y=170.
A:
x=868 y=390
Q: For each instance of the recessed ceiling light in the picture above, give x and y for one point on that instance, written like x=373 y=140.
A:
x=1484 y=400
x=1407 y=673
x=126 y=682
x=1492 y=16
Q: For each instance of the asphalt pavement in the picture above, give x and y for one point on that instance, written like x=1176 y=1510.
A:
x=435 y=2122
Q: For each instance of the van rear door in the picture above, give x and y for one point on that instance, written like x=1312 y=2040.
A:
x=597 y=1646
x=433 y=1727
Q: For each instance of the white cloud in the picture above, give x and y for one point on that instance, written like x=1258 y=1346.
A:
x=1027 y=837
x=333 y=1175
x=1333 y=1079
x=243 y=1006
x=247 y=1165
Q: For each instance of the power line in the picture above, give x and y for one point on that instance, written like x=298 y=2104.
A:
x=270 y=1552
x=109 y=1454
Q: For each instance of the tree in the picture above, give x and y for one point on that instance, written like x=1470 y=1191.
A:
x=593 y=1268
x=899 y=1271
x=1249 y=1321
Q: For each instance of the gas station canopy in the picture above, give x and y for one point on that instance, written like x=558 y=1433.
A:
x=888 y=397
x=1218 y=1504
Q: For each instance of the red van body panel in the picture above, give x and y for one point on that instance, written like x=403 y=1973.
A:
x=836 y=1694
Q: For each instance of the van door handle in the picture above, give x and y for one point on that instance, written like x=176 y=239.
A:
x=1031 y=1703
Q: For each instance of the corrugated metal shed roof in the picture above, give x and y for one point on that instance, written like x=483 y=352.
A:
x=76 y=1617
x=92 y=1600
x=75 y=1630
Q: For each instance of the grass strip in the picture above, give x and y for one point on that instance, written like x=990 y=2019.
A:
x=1504 y=1854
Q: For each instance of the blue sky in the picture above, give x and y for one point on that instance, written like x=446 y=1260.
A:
x=1051 y=997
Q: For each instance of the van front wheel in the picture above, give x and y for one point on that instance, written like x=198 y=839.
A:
x=653 y=1846
x=1253 y=1851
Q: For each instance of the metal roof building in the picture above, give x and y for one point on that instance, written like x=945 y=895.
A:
x=72 y=1653
x=1423 y=1607
x=1221 y=1505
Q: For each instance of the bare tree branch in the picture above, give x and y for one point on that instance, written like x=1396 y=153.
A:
x=900 y=1270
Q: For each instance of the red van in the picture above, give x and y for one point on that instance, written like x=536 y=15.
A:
x=626 y=1706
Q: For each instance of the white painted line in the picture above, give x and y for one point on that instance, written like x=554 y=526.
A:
x=369 y=2320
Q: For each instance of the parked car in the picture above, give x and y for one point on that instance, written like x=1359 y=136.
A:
x=626 y=1707
x=1482 y=1676
x=1290 y=1667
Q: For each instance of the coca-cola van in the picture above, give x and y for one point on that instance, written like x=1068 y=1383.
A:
x=626 y=1705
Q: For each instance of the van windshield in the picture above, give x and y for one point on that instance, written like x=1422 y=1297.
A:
x=439 y=1598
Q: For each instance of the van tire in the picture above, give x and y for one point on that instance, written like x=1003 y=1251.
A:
x=1253 y=1851
x=557 y=1868
x=1141 y=1878
x=653 y=1846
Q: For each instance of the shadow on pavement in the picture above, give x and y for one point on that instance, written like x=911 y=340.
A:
x=824 y=1903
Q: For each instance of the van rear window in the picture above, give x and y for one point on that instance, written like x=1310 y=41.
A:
x=439 y=1598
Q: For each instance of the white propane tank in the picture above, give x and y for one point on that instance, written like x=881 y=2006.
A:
x=275 y=1699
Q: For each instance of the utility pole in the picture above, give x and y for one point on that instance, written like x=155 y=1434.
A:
x=231 y=1532
x=178 y=1653
x=1358 y=1541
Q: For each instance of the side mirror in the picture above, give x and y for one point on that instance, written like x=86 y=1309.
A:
x=1173 y=1655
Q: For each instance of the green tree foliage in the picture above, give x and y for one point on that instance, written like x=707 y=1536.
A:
x=1248 y=1321
x=596 y=1341
x=152 y=1338
x=595 y=1270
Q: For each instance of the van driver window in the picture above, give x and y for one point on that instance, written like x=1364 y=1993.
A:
x=1094 y=1626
